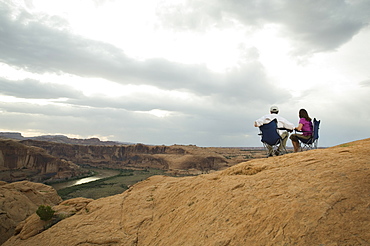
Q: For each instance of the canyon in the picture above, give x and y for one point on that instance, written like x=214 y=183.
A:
x=175 y=159
x=316 y=197
x=22 y=162
x=180 y=158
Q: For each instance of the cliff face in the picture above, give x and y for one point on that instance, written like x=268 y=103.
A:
x=135 y=156
x=19 y=162
x=317 y=197
x=19 y=200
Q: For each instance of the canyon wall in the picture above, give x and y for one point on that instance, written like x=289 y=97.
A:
x=20 y=162
x=136 y=156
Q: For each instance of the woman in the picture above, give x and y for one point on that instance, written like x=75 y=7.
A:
x=305 y=126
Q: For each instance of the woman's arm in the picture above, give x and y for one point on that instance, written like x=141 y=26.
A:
x=299 y=127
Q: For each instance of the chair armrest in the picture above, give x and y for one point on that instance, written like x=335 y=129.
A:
x=303 y=131
x=284 y=129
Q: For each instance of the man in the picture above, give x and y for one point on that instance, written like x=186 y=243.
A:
x=282 y=123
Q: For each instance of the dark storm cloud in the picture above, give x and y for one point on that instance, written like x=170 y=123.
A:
x=314 y=25
x=34 y=89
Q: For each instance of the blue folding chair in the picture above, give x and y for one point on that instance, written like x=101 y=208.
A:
x=271 y=138
x=312 y=142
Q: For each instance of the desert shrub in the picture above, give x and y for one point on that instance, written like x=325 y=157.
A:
x=45 y=212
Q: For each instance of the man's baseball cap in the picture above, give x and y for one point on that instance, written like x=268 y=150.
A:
x=274 y=109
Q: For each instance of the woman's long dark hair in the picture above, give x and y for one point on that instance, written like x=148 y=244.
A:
x=303 y=114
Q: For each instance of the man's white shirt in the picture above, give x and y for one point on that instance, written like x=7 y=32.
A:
x=282 y=122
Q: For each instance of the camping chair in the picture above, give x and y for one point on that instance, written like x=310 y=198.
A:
x=311 y=143
x=270 y=137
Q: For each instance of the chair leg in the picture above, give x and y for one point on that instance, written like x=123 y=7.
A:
x=315 y=145
x=269 y=149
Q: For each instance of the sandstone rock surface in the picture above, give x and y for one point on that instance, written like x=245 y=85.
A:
x=19 y=200
x=317 y=197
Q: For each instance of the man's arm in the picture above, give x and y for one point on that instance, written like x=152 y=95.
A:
x=287 y=124
x=260 y=121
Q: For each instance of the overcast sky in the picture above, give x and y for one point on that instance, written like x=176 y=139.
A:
x=183 y=71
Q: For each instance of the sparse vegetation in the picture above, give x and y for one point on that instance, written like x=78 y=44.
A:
x=345 y=145
x=45 y=212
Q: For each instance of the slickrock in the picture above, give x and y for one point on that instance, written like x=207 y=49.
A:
x=19 y=200
x=317 y=197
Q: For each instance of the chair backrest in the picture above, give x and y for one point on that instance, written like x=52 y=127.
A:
x=270 y=133
x=316 y=127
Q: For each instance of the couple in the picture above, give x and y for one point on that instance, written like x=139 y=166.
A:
x=304 y=125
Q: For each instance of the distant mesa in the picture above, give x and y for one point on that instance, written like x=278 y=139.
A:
x=12 y=135
x=61 y=139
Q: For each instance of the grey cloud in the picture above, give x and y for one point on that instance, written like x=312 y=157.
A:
x=50 y=110
x=34 y=89
x=191 y=15
x=324 y=25
x=365 y=83
x=222 y=116
x=124 y=125
x=51 y=119
x=38 y=48
x=314 y=25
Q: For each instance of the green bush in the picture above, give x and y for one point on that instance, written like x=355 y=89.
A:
x=45 y=212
